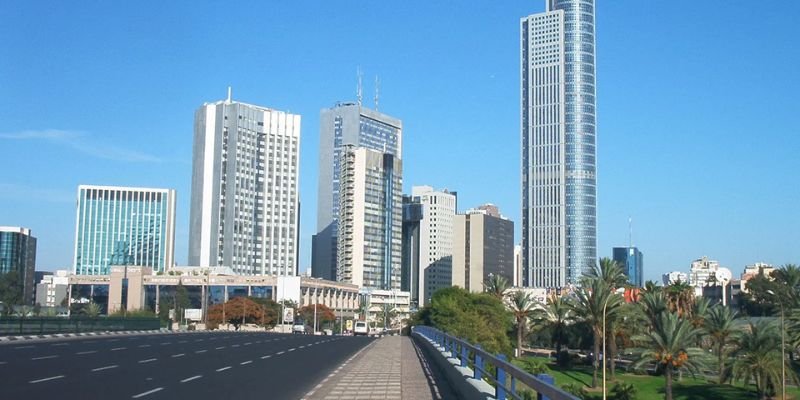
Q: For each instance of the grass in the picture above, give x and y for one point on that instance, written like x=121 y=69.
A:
x=652 y=387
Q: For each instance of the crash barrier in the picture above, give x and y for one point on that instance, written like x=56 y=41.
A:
x=484 y=375
x=47 y=325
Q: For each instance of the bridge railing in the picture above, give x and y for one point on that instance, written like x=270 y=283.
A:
x=493 y=368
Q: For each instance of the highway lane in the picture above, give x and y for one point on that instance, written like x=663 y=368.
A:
x=159 y=366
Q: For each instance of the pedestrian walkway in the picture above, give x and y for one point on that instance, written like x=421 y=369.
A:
x=389 y=368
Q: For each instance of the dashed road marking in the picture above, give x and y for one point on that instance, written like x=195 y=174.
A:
x=219 y=348
x=191 y=379
x=23 y=347
x=147 y=361
x=223 y=369
x=46 y=379
x=104 y=368
x=86 y=352
x=266 y=356
x=292 y=349
x=43 y=358
x=178 y=355
x=200 y=351
x=147 y=392
x=60 y=344
x=280 y=352
x=118 y=348
x=165 y=343
x=144 y=345
x=245 y=362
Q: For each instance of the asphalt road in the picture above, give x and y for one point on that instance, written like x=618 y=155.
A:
x=220 y=365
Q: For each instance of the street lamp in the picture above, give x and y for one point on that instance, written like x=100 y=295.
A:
x=783 y=350
x=604 y=342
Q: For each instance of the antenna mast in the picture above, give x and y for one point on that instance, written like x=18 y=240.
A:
x=358 y=88
x=377 y=91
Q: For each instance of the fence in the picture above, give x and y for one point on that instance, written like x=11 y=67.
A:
x=505 y=376
x=45 y=325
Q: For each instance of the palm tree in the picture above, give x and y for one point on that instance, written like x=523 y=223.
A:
x=787 y=278
x=680 y=298
x=671 y=346
x=522 y=305
x=592 y=299
x=720 y=324
x=609 y=271
x=759 y=358
x=556 y=314
x=651 y=286
x=653 y=305
x=496 y=285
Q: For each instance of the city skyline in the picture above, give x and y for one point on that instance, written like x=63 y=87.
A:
x=695 y=196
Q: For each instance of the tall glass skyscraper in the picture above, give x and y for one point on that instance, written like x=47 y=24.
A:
x=18 y=254
x=559 y=204
x=123 y=226
x=632 y=262
x=344 y=124
x=245 y=210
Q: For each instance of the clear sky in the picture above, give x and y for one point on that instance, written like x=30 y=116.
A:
x=697 y=108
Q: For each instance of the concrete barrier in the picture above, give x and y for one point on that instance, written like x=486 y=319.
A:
x=460 y=378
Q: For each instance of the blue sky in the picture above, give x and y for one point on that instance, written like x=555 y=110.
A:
x=697 y=131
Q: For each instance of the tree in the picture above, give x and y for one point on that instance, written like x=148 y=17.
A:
x=479 y=318
x=592 y=299
x=671 y=346
x=680 y=298
x=496 y=285
x=271 y=310
x=237 y=311
x=720 y=324
x=759 y=358
x=92 y=310
x=555 y=315
x=10 y=291
x=610 y=272
x=521 y=305
x=324 y=314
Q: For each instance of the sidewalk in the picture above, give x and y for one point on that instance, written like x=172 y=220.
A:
x=389 y=368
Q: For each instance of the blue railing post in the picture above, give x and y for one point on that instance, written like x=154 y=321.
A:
x=500 y=389
x=478 y=365
x=464 y=355
x=548 y=380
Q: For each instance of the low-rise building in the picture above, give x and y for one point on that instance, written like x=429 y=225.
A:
x=51 y=291
x=674 y=277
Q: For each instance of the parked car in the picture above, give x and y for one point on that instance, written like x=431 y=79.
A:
x=360 y=328
x=299 y=327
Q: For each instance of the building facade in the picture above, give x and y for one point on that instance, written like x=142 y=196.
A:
x=559 y=204
x=346 y=124
x=674 y=277
x=703 y=271
x=123 y=225
x=18 y=254
x=409 y=279
x=52 y=290
x=245 y=206
x=370 y=220
x=483 y=247
x=632 y=262
x=436 y=235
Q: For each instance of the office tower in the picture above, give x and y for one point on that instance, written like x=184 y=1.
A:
x=435 y=240
x=371 y=218
x=123 y=226
x=632 y=262
x=483 y=247
x=559 y=232
x=344 y=124
x=245 y=204
x=18 y=254
x=409 y=280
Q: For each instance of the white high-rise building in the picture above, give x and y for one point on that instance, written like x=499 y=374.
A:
x=702 y=271
x=559 y=203
x=245 y=203
x=436 y=239
x=370 y=223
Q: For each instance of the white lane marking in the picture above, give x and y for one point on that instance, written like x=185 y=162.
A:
x=3 y=362
x=148 y=392
x=200 y=351
x=280 y=352
x=245 y=362
x=47 y=379
x=86 y=352
x=178 y=355
x=266 y=356
x=147 y=361
x=302 y=347
x=118 y=348
x=191 y=379
x=60 y=344
x=292 y=349
x=165 y=343
x=43 y=358
x=223 y=369
x=104 y=368
x=248 y=343
x=219 y=348
x=144 y=345
x=23 y=347
x=235 y=345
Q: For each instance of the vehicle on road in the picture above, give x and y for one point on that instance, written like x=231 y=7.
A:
x=360 y=328
x=299 y=327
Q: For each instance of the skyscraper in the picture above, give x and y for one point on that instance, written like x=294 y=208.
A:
x=245 y=204
x=412 y=217
x=632 y=262
x=123 y=225
x=344 y=124
x=559 y=213
x=370 y=218
x=18 y=254
x=483 y=246
x=436 y=234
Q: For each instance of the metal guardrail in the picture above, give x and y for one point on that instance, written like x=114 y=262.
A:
x=45 y=325
x=505 y=376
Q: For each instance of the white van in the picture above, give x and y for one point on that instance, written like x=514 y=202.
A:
x=360 y=328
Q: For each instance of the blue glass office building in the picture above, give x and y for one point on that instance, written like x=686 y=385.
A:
x=18 y=254
x=632 y=262
x=559 y=204
x=123 y=226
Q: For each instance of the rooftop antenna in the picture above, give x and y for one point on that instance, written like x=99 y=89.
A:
x=377 y=91
x=229 y=94
x=358 y=88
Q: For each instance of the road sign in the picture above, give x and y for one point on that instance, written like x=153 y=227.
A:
x=288 y=315
x=349 y=324
x=193 y=314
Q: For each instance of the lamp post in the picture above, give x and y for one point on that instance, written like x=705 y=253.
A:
x=604 y=342
x=783 y=350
